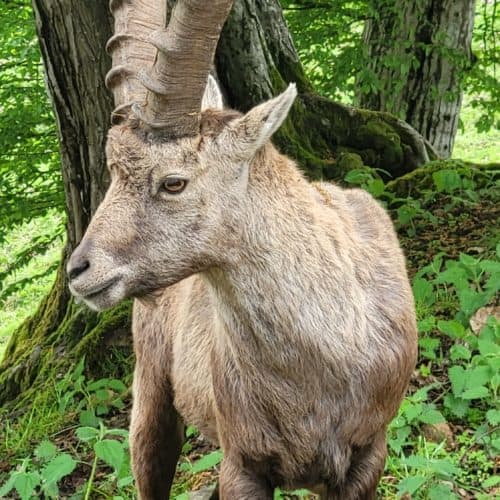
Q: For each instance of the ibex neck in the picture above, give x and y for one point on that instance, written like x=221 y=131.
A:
x=276 y=301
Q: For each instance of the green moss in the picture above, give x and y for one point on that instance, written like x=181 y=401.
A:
x=421 y=178
x=112 y=328
x=375 y=135
x=348 y=161
x=54 y=338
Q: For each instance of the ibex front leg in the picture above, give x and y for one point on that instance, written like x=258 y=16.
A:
x=236 y=483
x=156 y=430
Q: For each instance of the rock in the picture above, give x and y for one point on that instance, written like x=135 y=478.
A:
x=481 y=316
x=202 y=494
x=438 y=432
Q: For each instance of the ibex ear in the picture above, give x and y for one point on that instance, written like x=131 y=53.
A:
x=255 y=128
x=212 y=98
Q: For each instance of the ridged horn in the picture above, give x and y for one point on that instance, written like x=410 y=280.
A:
x=161 y=72
x=131 y=51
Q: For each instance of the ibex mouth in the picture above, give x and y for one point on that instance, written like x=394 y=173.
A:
x=101 y=288
x=100 y=296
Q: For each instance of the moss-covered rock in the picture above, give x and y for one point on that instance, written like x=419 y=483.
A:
x=318 y=131
x=422 y=178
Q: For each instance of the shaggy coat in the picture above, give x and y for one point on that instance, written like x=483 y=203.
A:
x=274 y=314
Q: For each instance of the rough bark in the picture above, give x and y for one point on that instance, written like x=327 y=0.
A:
x=417 y=51
x=255 y=60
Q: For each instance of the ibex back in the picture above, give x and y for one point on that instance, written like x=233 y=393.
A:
x=274 y=314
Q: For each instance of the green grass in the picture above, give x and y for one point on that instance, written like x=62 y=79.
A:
x=472 y=145
x=24 y=301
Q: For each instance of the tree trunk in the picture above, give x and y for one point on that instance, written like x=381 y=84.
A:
x=256 y=58
x=72 y=36
x=417 y=53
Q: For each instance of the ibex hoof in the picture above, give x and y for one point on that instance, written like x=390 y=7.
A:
x=204 y=493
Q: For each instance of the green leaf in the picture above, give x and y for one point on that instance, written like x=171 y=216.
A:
x=118 y=432
x=25 y=483
x=456 y=405
x=406 y=214
x=358 y=176
x=302 y=493
x=425 y=325
x=453 y=328
x=456 y=374
x=78 y=371
x=416 y=461
x=88 y=419
x=491 y=482
x=45 y=450
x=444 y=468
x=413 y=411
x=459 y=351
x=469 y=261
x=428 y=346
x=423 y=291
x=118 y=403
x=447 y=180
x=455 y=275
x=376 y=187
x=431 y=416
x=97 y=384
x=441 y=491
x=475 y=393
x=101 y=409
x=479 y=375
x=125 y=481
x=207 y=462
x=117 y=385
x=102 y=394
x=50 y=490
x=191 y=431
x=411 y=484
x=471 y=301
x=400 y=440
x=58 y=467
x=111 y=452
x=488 y=348
x=493 y=416
x=87 y=433
x=9 y=485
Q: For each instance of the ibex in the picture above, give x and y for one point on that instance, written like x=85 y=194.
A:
x=274 y=314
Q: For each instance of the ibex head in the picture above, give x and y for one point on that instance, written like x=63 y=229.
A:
x=178 y=182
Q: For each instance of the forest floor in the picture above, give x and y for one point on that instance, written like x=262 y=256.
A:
x=445 y=441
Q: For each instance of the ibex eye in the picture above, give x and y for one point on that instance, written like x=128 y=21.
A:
x=174 y=185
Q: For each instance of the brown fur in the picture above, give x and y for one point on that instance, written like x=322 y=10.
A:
x=273 y=314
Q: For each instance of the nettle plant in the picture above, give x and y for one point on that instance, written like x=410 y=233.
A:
x=472 y=358
x=40 y=474
x=454 y=186
x=467 y=390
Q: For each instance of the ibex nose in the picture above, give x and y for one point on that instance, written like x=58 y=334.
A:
x=78 y=267
x=78 y=262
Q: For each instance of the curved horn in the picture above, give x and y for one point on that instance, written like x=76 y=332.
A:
x=185 y=54
x=131 y=50
x=165 y=95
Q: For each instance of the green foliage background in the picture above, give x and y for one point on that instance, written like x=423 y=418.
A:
x=328 y=36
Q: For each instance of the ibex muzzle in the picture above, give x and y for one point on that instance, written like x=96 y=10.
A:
x=281 y=322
